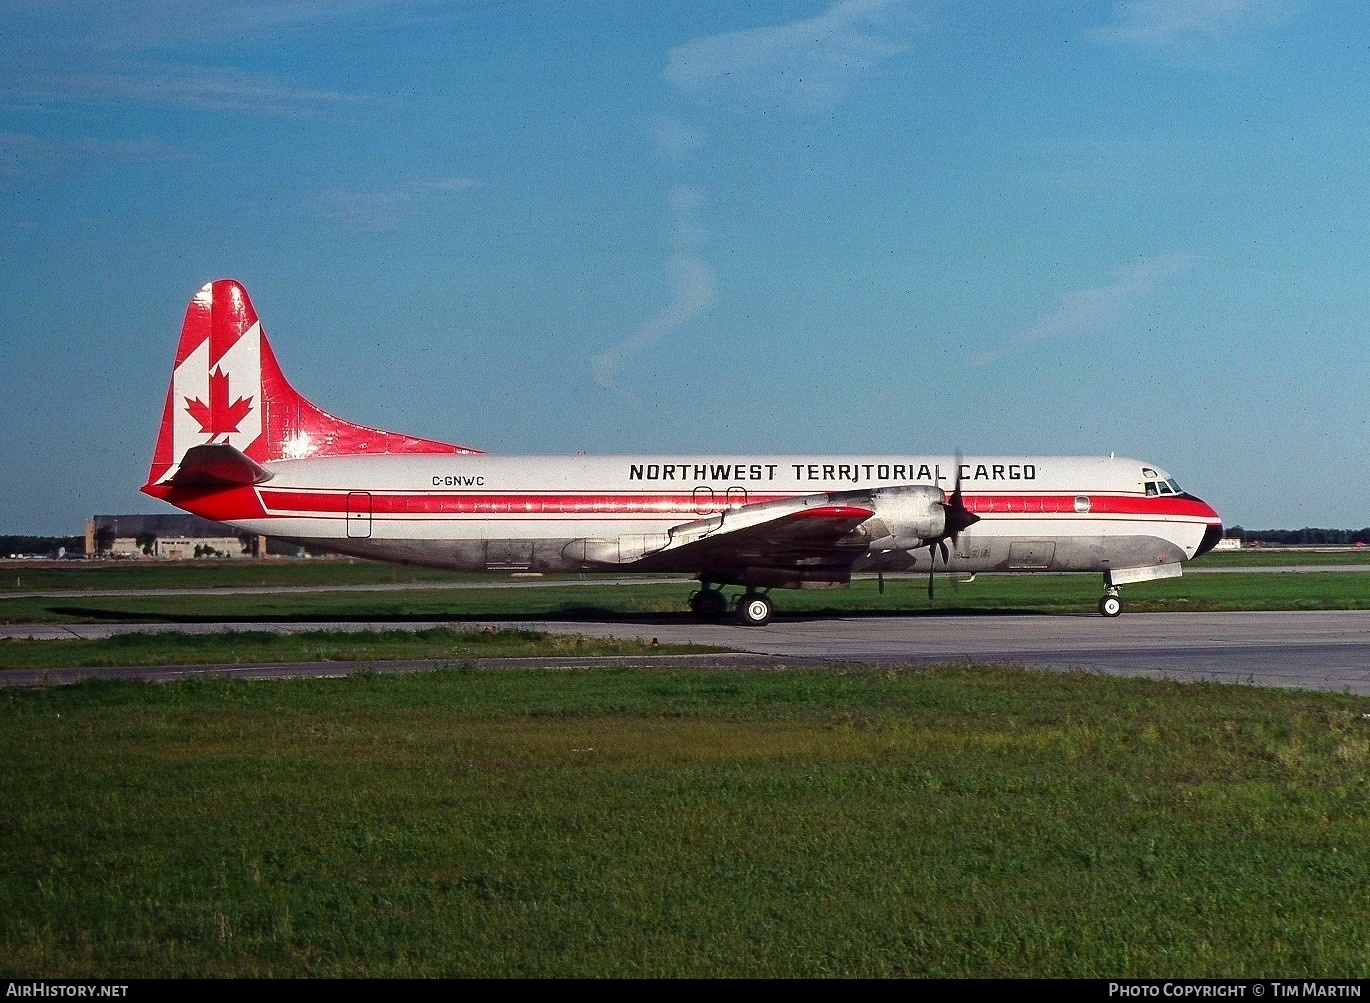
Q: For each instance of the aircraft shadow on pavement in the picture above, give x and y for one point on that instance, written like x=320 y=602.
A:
x=572 y=614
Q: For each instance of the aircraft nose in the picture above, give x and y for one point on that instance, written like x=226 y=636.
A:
x=1213 y=533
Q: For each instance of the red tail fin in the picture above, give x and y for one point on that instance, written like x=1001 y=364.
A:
x=227 y=388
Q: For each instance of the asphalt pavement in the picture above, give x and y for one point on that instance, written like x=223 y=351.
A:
x=1304 y=649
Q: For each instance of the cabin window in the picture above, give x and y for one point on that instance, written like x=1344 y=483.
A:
x=1081 y=503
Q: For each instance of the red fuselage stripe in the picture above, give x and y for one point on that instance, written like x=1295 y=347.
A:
x=326 y=503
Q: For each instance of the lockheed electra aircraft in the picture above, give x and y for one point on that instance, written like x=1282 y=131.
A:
x=239 y=445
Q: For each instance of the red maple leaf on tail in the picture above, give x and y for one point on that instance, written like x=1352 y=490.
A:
x=218 y=416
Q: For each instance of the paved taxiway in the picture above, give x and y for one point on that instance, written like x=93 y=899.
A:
x=1304 y=650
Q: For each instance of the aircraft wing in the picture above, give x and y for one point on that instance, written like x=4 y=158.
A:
x=813 y=538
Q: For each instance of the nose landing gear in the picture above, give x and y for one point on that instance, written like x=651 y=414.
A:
x=1111 y=604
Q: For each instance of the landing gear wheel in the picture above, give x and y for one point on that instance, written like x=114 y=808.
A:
x=709 y=604
x=754 y=610
x=1110 y=606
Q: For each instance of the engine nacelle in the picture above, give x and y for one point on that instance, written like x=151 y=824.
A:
x=906 y=517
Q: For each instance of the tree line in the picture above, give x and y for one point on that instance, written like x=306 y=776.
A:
x=1308 y=536
x=42 y=546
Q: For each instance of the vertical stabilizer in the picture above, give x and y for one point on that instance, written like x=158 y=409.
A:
x=227 y=389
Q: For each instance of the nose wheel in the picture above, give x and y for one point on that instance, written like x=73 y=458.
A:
x=1111 y=605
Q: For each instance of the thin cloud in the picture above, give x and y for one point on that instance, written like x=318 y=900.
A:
x=1087 y=311
x=673 y=139
x=1139 y=165
x=154 y=24
x=809 y=63
x=386 y=209
x=25 y=155
x=179 y=85
x=694 y=290
x=1163 y=23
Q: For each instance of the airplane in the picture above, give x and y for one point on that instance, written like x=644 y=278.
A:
x=239 y=445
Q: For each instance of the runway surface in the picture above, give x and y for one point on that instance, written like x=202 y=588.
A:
x=1302 y=650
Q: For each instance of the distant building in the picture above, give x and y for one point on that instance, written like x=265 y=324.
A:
x=1228 y=543
x=171 y=537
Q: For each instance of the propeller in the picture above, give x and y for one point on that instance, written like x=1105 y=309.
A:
x=933 y=546
x=958 y=518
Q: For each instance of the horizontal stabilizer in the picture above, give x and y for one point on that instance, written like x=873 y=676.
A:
x=217 y=465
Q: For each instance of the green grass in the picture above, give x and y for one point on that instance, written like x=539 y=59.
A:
x=1284 y=558
x=987 y=593
x=46 y=576
x=967 y=822
x=258 y=647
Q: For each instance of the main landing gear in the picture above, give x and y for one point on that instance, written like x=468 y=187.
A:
x=709 y=604
x=753 y=608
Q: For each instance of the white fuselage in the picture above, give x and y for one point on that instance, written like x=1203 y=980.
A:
x=478 y=512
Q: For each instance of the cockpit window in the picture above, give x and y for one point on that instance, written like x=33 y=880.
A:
x=1175 y=486
x=1165 y=487
x=1151 y=491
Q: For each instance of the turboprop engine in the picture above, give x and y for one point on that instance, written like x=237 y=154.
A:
x=906 y=517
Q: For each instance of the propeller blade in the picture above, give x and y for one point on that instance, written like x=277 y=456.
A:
x=958 y=517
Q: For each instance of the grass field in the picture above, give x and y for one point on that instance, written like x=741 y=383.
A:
x=260 y=647
x=645 y=822
x=1265 y=558
x=969 y=822
x=42 y=576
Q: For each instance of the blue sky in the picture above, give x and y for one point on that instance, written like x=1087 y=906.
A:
x=879 y=226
